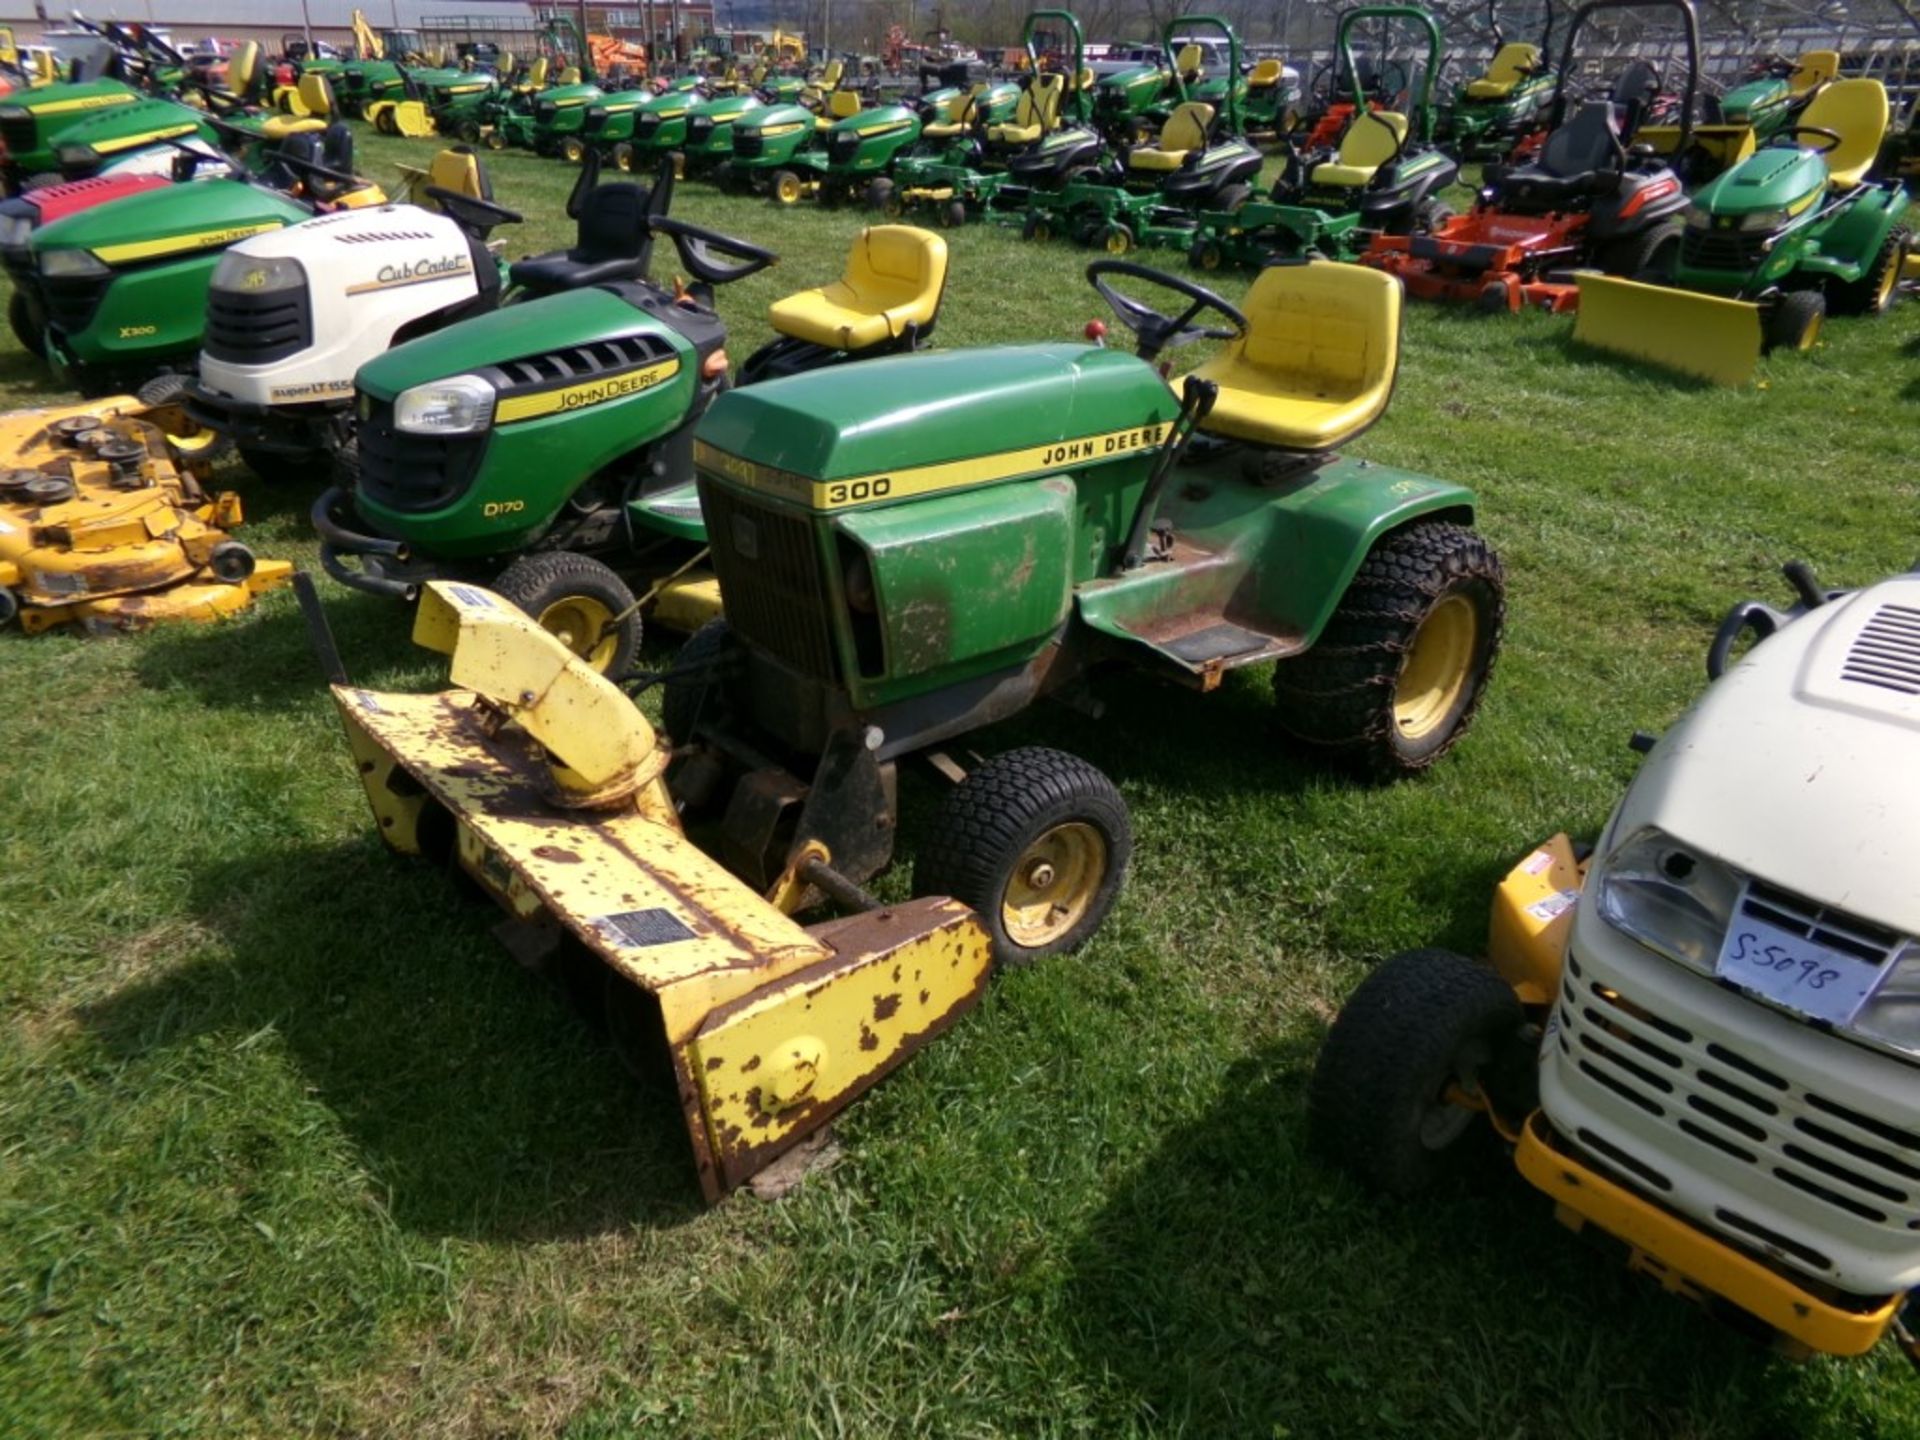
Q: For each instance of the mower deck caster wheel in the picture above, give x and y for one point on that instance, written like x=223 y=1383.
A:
x=496 y=141
x=1116 y=239
x=623 y=157
x=231 y=562
x=582 y=602
x=1037 y=842
x=1206 y=255
x=1497 y=298
x=953 y=214
x=879 y=194
x=1396 y=676
x=1795 y=321
x=1409 y=1046
x=1036 y=227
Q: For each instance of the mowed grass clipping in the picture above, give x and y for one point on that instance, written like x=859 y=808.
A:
x=289 y=1144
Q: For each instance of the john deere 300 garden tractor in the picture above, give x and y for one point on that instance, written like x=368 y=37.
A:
x=898 y=575
x=1701 y=1037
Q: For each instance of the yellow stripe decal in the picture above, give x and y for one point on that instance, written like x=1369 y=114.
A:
x=127 y=142
x=1070 y=453
x=180 y=244
x=579 y=397
x=85 y=102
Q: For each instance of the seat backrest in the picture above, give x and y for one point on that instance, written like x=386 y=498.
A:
x=1336 y=325
x=1186 y=128
x=1040 y=101
x=1584 y=143
x=1857 y=111
x=458 y=169
x=316 y=94
x=1266 y=73
x=899 y=265
x=842 y=103
x=503 y=64
x=1189 y=61
x=243 y=68
x=1815 y=69
x=1374 y=138
x=830 y=77
x=1634 y=92
x=537 y=75
x=570 y=75
x=1512 y=62
x=961 y=105
x=613 y=222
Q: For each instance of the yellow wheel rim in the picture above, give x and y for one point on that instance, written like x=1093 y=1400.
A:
x=789 y=190
x=1888 y=279
x=1054 y=884
x=581 y=623
x=193 y=442
x=1117 y=243
x=1439 y=664
x=1813 y=334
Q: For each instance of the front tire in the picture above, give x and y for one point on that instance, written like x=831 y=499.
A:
x=1398 y=672
x=582 y=602
x=26 y=326
x=879 y=194
x=786 y=188
x=1796 y=320
x=703 y=693
x=1423 y=1023
x=189 y=443
x=623 y=157
x=573 y=150
x=1036 y=841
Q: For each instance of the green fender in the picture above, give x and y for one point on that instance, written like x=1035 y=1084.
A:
x=1855 y=236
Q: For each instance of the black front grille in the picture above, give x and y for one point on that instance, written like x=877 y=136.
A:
x=249 y=329
x=544 y=111
x=769 y=569
x=20 y=135
x=699 y=129
x=647 y=124
x=1723 y=249
x=414 y=472
x=748 y=143
x=594 y=121
x=71 y=299
x=842 y=146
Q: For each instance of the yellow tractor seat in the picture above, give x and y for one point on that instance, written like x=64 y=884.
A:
x=1265 y=75
x=843 y=103
x=1509 y=68
x=570 y=75
x=317 y=95
x=537 y=76
x=1815 y=69
x=1317 y=363
x=1188 y=62
x=894 y=279
x=243 y=68
x=1372 y=139
x=956 y=117
x=830 y=77
x=460 y=171
x=279 y=127
x=1038 y=112
x=1857 y=111
x=1185 y=131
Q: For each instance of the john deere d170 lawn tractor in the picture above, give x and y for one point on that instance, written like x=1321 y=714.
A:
x=547 y=443
x=1701 y=1037
x=1769 y=249
x=897 y=578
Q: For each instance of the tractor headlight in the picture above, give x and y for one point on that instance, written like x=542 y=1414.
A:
x=461 y=405
x=257 y=275
x=76 y=157
x=1668 y=896
x=1699 y=217
x=14 y=231
x=13 y=112
x=1764 y=221
x=70 y=264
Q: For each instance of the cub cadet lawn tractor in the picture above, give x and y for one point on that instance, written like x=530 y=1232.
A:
x=123 y=287
x=1385 y=177
x=103 y=525
x=1701 y=1038
x=1586 y=200
x=1769 y=248
x=292 y=314
x=1495 y=111
x=1747 y=115
x=529 y=447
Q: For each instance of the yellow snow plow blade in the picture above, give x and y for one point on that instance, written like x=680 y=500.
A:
x=1703 y=335
x=545 y=784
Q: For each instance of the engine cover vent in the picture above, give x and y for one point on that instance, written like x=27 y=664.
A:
x=1886 y=653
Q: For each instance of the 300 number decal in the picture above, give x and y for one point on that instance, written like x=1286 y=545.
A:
x=851 y=492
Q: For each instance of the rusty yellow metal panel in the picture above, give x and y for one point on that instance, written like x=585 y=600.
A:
x=775 y=1065
x=1532 y=913
x=1703 y=335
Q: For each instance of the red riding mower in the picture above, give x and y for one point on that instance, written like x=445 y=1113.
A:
x=1587 y=201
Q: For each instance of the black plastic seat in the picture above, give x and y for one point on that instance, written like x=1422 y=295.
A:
x=1582 y=157
x=614 y=242
x=336 y=148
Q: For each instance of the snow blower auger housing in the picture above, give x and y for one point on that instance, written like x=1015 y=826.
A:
x=545 y=784
x=1700 y=1038
x=98 y=527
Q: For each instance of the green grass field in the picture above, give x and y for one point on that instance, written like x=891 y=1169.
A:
x=289 y=1144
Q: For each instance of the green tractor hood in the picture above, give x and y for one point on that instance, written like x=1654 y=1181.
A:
x=919 y=424
x=1753 y=102
x=105 y=135
x=173 y=221
x=1778 y=178
x=32 y=122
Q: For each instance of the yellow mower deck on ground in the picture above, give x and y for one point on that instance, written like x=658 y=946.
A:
x=1705 y=336
x=99 y=528
x=544 y=783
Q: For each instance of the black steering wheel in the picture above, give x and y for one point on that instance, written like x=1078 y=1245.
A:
x=1155 y=331
x=471 y=212
x=1833 y=138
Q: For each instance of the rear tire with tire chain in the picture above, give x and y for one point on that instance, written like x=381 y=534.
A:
x=1013 y=815
x=1423 y=1021
x=1874 y=292
x=566 y=592
x=1345 y=694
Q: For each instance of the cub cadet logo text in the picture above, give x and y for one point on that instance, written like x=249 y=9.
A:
x=414 y=272
x=579 y=397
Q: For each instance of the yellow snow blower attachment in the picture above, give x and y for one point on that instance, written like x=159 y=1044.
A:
x=99 y=527
x=1703 y=335
x=543 y=782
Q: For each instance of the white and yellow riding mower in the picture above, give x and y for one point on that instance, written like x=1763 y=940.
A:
x=1702 y=1040
x=292 y=315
